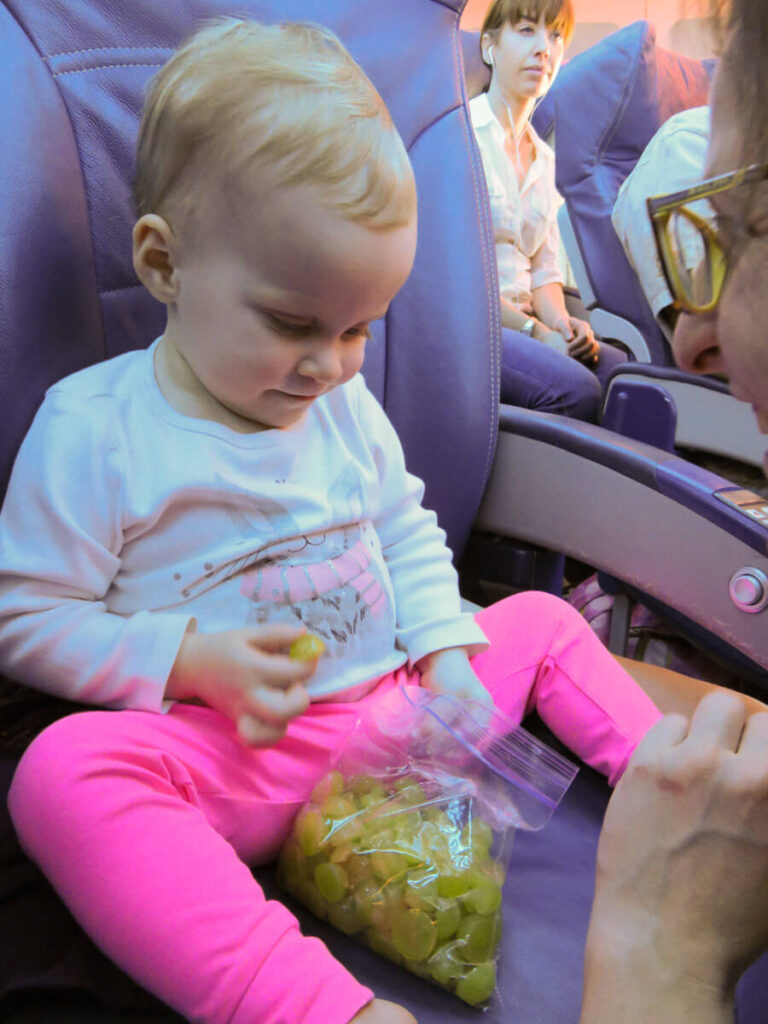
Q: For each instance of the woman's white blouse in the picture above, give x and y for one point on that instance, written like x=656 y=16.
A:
x=524 y=219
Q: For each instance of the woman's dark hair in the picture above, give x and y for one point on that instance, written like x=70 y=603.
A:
x=558 y=13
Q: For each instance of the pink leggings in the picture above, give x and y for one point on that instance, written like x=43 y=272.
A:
x=144 y=823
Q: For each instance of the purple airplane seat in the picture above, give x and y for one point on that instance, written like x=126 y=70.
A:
x=624 y=88
x=71 y=83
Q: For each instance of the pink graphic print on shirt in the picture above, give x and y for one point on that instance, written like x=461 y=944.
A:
x=291 y=584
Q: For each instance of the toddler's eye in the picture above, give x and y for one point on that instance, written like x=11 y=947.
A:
x=361 y=331
x=286 y=328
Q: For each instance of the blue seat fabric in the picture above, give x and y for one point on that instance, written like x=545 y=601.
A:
x=72 y=77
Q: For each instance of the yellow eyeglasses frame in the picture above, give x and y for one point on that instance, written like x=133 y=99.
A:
x=660 y=210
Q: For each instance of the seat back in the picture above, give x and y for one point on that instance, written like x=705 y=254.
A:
x=606 y=105
x=68 y=293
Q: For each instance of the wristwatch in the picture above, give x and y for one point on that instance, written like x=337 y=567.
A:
x=528 y=327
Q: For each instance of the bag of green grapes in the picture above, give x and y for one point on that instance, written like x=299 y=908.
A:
x=405 y=842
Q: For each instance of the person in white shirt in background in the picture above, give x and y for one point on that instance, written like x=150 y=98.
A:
x=547 y=354
x=673 y=160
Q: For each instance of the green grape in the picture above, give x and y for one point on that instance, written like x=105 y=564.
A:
x=346 y=916
x=404 y=849
x=405 y=825
x=444 y=966
x=345 y=831
x=413 y=934
x=368 y=896
x=375 y=796
x=338 y=806
x=419 y=968
x=447 y=919
x=484 y=899
x=433 y=843
x=451 y=884
x=332 y=783
x=306 y=648
x=359 y=868
x=380 y=944
x=404 y=782
x=310 y=830
x=477 y=835
x=308 y=893
x=437 y=816
x=411 y=794
x=388 y=901
x=332 y=882
x=361 y=784
x=421 y=889
x=477 y=986
x=388 y=865
x=475 y=938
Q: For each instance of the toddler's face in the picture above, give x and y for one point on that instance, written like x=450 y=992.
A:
x=273 y=306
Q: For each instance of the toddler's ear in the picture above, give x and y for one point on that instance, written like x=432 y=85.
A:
x=154 y=251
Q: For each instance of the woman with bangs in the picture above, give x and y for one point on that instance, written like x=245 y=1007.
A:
x=550 y=359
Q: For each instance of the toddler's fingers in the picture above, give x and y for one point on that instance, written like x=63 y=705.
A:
x=281 y=672
x=276 y=639
x=278 y=706
x=255 y=733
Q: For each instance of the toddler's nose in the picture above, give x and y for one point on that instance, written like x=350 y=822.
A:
x=323 y=363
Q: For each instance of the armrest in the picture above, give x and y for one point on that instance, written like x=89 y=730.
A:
x=665 y=527
x=709 y=418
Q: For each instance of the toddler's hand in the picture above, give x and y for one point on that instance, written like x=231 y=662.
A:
x=247 y=675
x=449 y=672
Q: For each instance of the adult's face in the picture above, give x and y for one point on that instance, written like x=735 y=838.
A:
x=733 y=339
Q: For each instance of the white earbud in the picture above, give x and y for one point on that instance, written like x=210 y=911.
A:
x=490 y=55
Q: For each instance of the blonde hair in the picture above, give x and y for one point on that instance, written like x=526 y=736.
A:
x=557 y=13
x=241 y=98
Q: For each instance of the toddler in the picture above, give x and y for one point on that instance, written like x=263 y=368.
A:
x=178 y=516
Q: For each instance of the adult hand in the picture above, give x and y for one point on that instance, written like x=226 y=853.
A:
x=245 y=674
x=681 y=902
x=550 y=338
x=582 y=344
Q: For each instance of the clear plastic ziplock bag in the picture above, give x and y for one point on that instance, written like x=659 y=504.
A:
x=405 y=842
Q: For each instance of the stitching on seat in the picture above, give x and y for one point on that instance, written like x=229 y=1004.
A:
x=494 y=308
x=102 y=49
x=107 y=67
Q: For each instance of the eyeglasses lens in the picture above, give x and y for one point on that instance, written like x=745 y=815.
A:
x=692 y=253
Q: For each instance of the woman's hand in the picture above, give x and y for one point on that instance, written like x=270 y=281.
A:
x=550 y=338
x=245 y=674
x=580 y=339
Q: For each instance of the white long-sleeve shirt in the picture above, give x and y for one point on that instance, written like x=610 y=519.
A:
x=673 y=160
x=524 y=216
x=124 y=519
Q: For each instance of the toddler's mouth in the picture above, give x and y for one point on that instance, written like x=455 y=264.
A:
x=301 y=398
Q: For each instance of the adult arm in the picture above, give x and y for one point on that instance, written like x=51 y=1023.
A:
x=673 y=691
x=681 y=899
x=549 y=303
